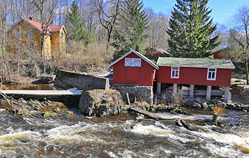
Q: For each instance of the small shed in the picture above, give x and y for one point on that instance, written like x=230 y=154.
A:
x=195 y=71
x=134 y=68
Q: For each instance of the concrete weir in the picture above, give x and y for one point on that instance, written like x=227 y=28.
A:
x=41 y=94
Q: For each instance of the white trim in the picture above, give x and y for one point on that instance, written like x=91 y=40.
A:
x=178 y=74
x=31 y=34
x=138 y=54
x=232 y=63
x=215 y=74
x=64 y=29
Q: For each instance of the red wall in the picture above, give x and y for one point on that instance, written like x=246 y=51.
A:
x=143 y=75
x=195 y=76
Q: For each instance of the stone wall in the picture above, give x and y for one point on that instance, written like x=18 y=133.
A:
x=66 y=80
x=140 y=93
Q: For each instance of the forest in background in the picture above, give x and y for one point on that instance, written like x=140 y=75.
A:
x=98 y=18
x=100 y=36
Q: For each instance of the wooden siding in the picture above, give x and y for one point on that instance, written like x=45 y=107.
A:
x=195 y=76
x=143 y=75
x=24 y=39
x=53 y=41
x=58 y=43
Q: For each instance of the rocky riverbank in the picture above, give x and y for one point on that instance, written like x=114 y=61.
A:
x=35 y=108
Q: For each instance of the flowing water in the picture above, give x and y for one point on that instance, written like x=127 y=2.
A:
x=123 y=136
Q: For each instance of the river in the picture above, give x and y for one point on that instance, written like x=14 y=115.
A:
x=124 y=135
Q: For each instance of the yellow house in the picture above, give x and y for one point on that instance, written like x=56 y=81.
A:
x=25 y=37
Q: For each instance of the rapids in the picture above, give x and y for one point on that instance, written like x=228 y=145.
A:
x=122 y=136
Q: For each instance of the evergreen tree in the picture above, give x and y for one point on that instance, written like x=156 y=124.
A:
x=191 y=30
x=79 y=32
x=130 y=28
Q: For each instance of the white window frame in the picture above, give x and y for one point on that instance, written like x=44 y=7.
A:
x=31 y=34
x=17 y=33
x=31 y=47
x=18 y=48
x=172 y=72
x=210 y=70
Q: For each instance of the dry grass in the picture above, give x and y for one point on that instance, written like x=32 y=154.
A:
x=219 y=110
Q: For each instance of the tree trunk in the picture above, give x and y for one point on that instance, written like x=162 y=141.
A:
x=247 y=73
x=215 y=118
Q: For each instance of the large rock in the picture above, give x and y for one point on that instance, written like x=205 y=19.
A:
x=100 y=102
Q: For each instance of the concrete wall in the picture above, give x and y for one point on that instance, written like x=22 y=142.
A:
x=65 y=79
x=141 y=93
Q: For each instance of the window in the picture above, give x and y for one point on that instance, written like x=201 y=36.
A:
x=17 y=33
x=132 y=62
x=47 y=49
x=31 y=47
x=31 y=34
x=175 y=72
x=18 y=48
x=62 y=35
x=62 y=49
x=211 y=75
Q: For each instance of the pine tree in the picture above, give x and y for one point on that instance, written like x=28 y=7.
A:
x=191 y=30
x=131 y=25
x=77 y=26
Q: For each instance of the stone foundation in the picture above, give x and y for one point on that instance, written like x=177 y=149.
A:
x=135 y=92
x=66 y=80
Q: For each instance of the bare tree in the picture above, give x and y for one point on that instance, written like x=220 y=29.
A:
x=157 y=30
x=46 y=10
x=239 y=37
x=108 y=12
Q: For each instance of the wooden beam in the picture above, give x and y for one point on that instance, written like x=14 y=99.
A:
x=208 y=95
x=226 y=94
x=191 y=91
x=146 y=113
x=159 y=88
x=174 y=89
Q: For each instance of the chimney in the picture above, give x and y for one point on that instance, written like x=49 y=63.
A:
x=31 y=18
x=137 y=48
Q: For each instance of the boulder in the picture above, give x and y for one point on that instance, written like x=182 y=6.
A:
x=204 y=105
x=101 y=102
x=196 y=105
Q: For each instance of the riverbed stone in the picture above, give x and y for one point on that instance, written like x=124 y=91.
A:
x=3 y=111
x=204 y=105
x=101 y=102
x=196 y=105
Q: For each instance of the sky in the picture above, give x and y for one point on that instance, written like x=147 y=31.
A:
x=222 y=10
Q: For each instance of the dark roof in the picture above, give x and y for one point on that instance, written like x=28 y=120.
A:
x=195 y=62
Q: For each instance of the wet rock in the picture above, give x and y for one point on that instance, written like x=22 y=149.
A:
x=3 y=111
x=100 y=102
x=189 y=103
x=204 y=105
x=196 y=105
x=198 y=100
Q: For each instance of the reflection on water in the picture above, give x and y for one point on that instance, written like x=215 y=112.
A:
x=120 y=136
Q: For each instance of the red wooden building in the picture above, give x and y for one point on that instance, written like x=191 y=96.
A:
x=157 y=52
x=195 y=71
x=134 y=68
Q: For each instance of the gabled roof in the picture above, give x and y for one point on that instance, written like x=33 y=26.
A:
x=57 y=28
x=138 y=54
x=196 y=62
x=37 y=25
